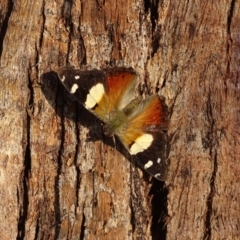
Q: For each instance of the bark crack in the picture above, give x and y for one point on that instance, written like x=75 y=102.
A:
x=66 y=12
x=159 y=210
x=229 y=40
x=27 y=169
x=230 y=15
x=4 y=26
x=83 y=227
x=78 y=182
x=213 y=154
x=208 y=228
x=151 y=6
x=57 y=178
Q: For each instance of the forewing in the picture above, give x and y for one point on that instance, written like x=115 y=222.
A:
x=103 y=92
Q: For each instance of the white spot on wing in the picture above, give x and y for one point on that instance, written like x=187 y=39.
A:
x=157 y=175
x=148 y=164
x=77 y=77
x=63 y=78
x=158 y=160
x=95 y=95
x=141 y=143
x=74 y=88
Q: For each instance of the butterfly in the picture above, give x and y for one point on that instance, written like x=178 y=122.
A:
x=138 y=124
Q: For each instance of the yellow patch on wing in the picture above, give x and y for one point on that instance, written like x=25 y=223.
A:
x=141 y=143
x=95 y=95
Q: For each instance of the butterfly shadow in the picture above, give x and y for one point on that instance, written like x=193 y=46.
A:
x=66 y=106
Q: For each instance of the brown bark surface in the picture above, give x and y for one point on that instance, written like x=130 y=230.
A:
x=60 y=178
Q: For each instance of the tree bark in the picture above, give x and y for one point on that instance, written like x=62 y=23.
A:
x=60 y=178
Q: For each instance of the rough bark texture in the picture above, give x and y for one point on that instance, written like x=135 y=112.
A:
x=60 y=178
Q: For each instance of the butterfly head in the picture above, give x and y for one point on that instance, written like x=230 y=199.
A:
x=107 y=131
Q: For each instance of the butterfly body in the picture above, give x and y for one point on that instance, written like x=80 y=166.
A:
x=138 y=124
x=115 y=124
x=118 y=119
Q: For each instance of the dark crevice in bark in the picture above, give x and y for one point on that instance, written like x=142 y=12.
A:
x=40 y=35
x=230 y=15
x=159 y=210
x=132 y=220
x=4 y=26
x=37 y=59
x=82 y=59
x=82 y=228
x=66 y=12
x=27 y=169
x=78 y=181
x=152 y=7
x=229 y=40
x=59 y=110
x=208 y=228
x=211 y=140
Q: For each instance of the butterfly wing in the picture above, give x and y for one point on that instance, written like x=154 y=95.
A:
x=102 y=92
x=142 y=134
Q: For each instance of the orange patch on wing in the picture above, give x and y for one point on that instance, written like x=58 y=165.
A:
x=151 y=116
x=117 y=83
